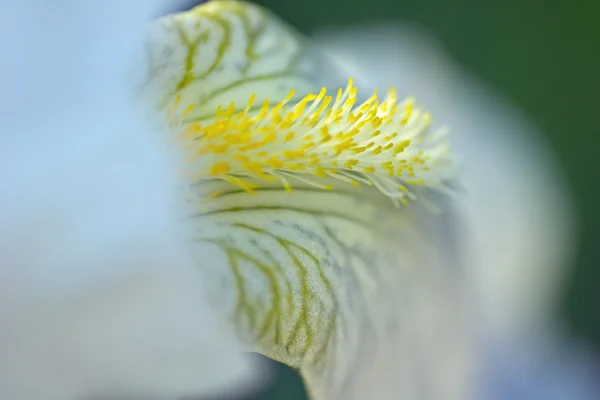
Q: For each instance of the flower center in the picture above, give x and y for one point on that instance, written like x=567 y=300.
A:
x=376 y=143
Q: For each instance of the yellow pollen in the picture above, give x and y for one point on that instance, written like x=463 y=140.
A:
x=219 y=168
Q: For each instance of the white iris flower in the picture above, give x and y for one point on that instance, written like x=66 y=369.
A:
x=316 y=222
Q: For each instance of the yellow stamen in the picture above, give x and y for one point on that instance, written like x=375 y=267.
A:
x=377 y=143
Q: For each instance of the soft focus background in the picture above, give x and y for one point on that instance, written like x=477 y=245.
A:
x=542 y=56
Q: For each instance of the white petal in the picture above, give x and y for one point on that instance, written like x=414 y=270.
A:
x=222 y=52
x=341 y=285
x=519 y=228
x=98 y=296
x=519 y=224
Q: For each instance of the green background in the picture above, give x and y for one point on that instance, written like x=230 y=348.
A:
x=541 y=54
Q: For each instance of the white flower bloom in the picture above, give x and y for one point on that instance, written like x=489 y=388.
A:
x=318 y=206
x=98 y=295
x=309 y=211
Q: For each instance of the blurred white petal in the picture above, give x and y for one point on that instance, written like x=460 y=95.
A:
x=517 y=214
x=98 y=295
x=550 y=369
x=519 y=228
x=337 y=283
